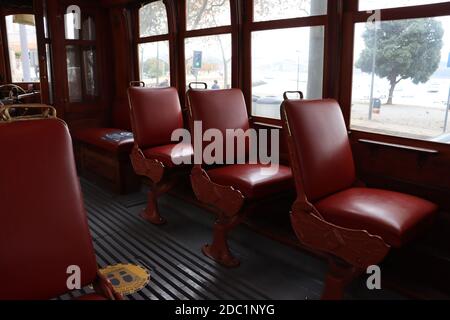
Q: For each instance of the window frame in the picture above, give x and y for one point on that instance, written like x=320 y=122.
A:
x=4 y=37
x=84 y=44
x=232 y=29
x=352 y=17
x=330 y=68
x=170 y=37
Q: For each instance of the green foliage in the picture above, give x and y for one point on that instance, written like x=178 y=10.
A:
x=153 y=69
x=405 y=49
x=153 y=19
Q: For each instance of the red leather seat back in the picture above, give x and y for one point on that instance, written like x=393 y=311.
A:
x=219 y=109
x=155 y=114
x=43 y=228
x=322 y=146
x=121 y=115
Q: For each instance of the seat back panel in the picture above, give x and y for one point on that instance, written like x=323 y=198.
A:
x=219 y=109
x=321 y=145
x=155 y=114
x=43 y=222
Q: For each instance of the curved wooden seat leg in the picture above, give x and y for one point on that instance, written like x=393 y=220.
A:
x=218 y=250
x=339 y=276
x=151 y=212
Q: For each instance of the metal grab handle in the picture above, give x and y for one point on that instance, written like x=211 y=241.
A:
x=197 y=83
x=285 y=97
x=137 y=84
x=47 y=112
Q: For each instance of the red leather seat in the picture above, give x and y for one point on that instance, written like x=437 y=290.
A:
x=104 y=139
x=44 y=228
x=225 y=109
x=230 y=189
x=155 y=115
x=248 y=179
x=168 y=154
x=396 y=217
x=328 y=177
x=355 y=226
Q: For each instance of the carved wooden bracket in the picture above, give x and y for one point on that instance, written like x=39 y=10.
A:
x=225 y=198
x=356 y=247
x=151 y=168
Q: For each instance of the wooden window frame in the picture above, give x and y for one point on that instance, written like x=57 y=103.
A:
x=331 y=47
x=352 y=16
x=84 y=44
x=4 y=37
x=170 y=37
x=232 y=30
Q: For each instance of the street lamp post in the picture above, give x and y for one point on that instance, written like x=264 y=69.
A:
x=298 y=70
x=374 y=58
x=447 y=107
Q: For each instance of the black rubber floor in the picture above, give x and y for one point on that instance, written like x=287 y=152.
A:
x=179 y=270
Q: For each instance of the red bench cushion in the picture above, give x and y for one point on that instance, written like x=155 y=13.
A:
x=167 y=153
x=396 y=217
x=97 y=137
x=248 y=179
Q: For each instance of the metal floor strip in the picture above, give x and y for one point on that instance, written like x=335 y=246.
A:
x=177 y=272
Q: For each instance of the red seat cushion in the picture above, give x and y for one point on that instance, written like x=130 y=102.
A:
x=167 y=153
x=396 y=217
x=248 y=179
x=98 y=137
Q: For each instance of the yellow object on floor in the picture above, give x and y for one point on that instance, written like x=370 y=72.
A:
x=127 y=278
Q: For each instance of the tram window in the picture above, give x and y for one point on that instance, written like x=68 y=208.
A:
x=81 y=57
x=202 y=14
x=22 y=48
x=154 y=63
x=401 y=78
x=386 y=4
x=153 y=19
x=88 y=29
x=285 y=9
x=74 y=73
x=208 y=59
x=90 y=71
x=279 y=64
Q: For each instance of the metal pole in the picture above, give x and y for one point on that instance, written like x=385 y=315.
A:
x=374 y=58
x=298 y=70
x=157 y=64
x=446 y=111
x=25 y=55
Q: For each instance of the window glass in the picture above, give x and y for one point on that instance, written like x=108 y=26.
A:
x=203 y=14
x=48 y=55
x=90 y=71
x=280 y=65
x=154 y=63
x=88 y=28
x=385 y=4
x=22 y=48
x=74 y=73
x=153 y=19
x=208 y=59
x=285 y=9
x=401 y=78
